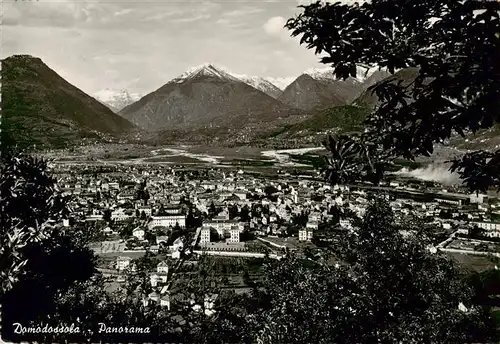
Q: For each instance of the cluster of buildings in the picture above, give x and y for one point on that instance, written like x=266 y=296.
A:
x=235 y=207
x=271 y=204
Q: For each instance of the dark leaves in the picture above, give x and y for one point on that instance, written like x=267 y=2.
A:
x=479 y=170
x=454 y=44
x=353 y=159
x=378 y=286
x=27 y=201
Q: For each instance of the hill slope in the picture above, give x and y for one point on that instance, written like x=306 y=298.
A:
x=308 y=93
x=41 y=108
x=344 y=118
x=369 y=99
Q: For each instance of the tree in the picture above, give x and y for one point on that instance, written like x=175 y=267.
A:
x=301 y=219
x=98 y=196
x=38 y=258
x=106 y=215
x=140 y=279
x=270 y=190
x=161 y=211
x=212 y=210
x=233 y=211
x=27 y=204
x=193 y=219
x=375 y=286
x=245 y=213
x=476 y=232
x=87 y=232
x=455 y=86
x=142 y=194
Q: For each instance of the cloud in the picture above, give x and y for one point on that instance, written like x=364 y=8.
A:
x=108 y=44
x=243 y=12
x=237 y=18
x=344 y=2
x=191 y=19
x=58 y=14
x=232 y=24
x=162 y=15
x=275 y=27
x=123 y=12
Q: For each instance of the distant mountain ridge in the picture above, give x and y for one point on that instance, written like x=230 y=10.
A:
x=206 y=104
x=209 y=98
x=262 y=84
x=308 y=93
x=327 y=91
x=208 y=69
x=272 y=86
x=116 y=99
x=40 y=108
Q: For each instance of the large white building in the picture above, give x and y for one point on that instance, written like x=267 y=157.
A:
x=457 y=202
x=221 y=225
x=234 y=235
x=205 y=235
x=305 y=234
x=477 y=198
x=492 y=229
x=161 y=274
x=168 y=221
x=139 y=233
x=312 y=225
x=123 y=262
x=119 y=215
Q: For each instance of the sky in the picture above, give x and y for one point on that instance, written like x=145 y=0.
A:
x=141 y=45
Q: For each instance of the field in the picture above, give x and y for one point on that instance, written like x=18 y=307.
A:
x=107 y=247
x=242 y=157
x=471 y=244
x=472 y=262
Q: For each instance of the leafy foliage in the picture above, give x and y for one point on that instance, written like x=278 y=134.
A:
x=380 y=286
x=454 y=92
x=27 y=204
x=347 y=160
x=38 y=255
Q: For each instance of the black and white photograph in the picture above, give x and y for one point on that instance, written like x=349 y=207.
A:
x=250 y=172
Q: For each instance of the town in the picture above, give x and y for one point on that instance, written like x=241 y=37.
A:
x=242 y=217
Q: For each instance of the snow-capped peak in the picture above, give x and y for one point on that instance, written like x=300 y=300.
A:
x=261 y=83
x=108 y=94
x=269 y=85
x=209 y=69
x=362 y=73
x=206 y=69
x=281 y=83
x=116 y=99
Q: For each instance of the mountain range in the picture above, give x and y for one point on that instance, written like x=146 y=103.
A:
x=207 y=98
x=206 y=104
x=213 y=102
x=274 y=87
